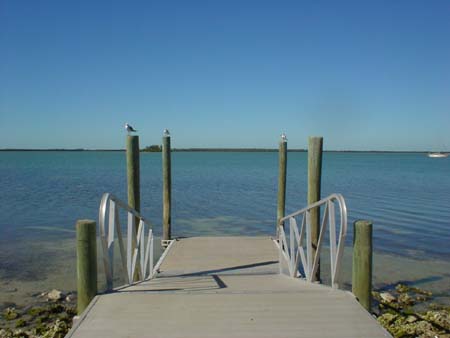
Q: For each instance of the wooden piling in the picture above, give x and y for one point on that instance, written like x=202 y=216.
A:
x=134 y=186
x=282 y=165
x=133 y=176
x=86 y=263
x=167 y=187
x=315 y=147
x=362 y=263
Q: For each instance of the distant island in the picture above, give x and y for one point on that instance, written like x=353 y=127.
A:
x=157 y=148
x=244 y=150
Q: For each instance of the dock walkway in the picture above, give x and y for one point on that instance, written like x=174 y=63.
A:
x=225 y=287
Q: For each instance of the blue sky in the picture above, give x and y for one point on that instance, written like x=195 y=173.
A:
x=364 y=75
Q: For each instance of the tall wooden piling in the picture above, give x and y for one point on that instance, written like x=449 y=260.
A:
x=282 y=165
x=134 y=186
x=362 y=263
x=86 y=263
x=133 y=176
x=315 y=147
x=167 y=187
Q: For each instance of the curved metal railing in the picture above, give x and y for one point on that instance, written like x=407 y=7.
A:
x=294 y=252
x=137 y=261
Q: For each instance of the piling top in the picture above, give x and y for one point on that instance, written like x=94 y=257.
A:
x=86 y=229
x=84 y=222
x=363 y=223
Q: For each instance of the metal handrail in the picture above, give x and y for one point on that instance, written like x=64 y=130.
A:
x=294 y=253
x=138 y=249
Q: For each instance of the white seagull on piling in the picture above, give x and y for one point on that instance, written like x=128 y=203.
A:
x=129 y=128
x=283 y=136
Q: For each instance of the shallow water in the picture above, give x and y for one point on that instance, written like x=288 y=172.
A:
x=44 y=193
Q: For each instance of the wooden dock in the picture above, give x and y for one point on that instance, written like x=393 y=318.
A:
x=225 y=287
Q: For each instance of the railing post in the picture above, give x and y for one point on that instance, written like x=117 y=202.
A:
x=133 y=178
x=86 y=263
x=282 y=165
x=315 y=146
x=362 y=263
x=167 y=186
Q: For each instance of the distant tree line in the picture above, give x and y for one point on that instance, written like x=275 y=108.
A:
x=154 y=148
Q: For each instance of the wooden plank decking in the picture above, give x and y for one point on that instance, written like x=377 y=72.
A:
x=225 y=287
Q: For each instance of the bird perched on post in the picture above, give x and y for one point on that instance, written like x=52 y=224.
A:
x=283 y=137
x=129 y=128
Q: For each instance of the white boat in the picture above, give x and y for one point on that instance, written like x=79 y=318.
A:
x=437 y=155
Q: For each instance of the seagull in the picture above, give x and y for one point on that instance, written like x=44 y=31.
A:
x=129 y=128
x=166 y=132
x=283 y=136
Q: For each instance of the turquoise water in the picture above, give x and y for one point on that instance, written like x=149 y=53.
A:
x=407 y=196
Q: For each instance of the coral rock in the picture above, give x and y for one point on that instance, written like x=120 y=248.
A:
x=55 y=295
x=411 y=319
x=10 y=313
x=387 y=297
x=401 y=288
x=405 y=299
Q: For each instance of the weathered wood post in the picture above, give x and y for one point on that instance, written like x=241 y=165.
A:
x=315 y=147
x=86 y=263
x=133 y=178
x=362 y=263
x=282 y=165
x=167 y=187
x=134 y=187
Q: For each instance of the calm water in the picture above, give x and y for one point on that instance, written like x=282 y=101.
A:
x=43 y=193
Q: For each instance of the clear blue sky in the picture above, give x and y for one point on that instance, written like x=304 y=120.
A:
x=365 y=75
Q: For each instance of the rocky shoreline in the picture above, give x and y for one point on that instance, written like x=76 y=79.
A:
x=50 y=316
x=405 y=311
x=408 y=312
